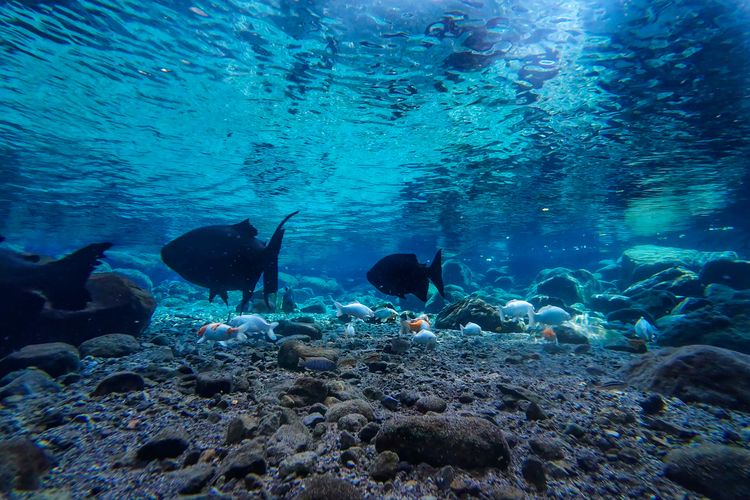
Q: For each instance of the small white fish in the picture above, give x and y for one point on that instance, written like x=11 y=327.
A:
x=471 y=329
x=548 y=315
x=425 y=338
x=252 y=323
x=221 y=333
x=354 y=309
x=349 y=330
x=645 y=330
x=516 y=309
x=385 y=314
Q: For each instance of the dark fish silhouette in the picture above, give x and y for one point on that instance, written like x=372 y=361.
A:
x=401 y=273
x=25 y=283
x=227 y=257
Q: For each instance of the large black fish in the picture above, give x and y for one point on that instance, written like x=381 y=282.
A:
x=401 y=273
x=27 y=284
x=227 y=257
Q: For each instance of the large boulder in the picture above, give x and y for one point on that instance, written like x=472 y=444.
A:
x=467 y=442
x=733 y=273
x=717 y=471
x=55 y=358
x=562 y=286
x=22 y=463
x=117 y=306
x=696 y=373
x=113 y=345
x=642 y=261
x=703 y=326
x=471 y=309
x=677 y=280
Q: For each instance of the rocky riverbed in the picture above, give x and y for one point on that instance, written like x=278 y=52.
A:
x=504 y=415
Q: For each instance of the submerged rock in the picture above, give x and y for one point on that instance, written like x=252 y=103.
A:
x=169 y=443
x=470 y=309
x=119 y=382
x=677 y=280
x=328 y=487
x=697 y=373
x=718 y=471
x=642 y=261
x=287 y=328
x=468 y=442
x=55 y=358
x=704 y=326
x=22 y=463
x=733 y=273
x=26 y=382
x=113 y=345
x=291 y=352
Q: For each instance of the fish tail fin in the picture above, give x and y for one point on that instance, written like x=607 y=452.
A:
x=241 y=336
x=271 y=270
x=270 y=332
x=436 y=272
x=532 y=319
x=65 y=282
x=339 y=309
x=502 y=314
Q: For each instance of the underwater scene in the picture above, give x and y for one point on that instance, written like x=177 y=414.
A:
x=375 y=249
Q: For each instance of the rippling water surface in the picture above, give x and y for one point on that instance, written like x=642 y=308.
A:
x=488 y=128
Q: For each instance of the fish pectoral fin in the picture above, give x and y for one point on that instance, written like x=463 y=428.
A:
x=221 y=293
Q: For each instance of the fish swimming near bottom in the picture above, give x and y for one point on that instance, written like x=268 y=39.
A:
x=516 y=309
x=401 y=273
x=425 y=338
x=318 y=364
x=252 y=323
x=27 y=284
x=548 y=315
x=645 y=330
x=227 y=257
x=470 y=329
x=354 y=309
x=220 y=333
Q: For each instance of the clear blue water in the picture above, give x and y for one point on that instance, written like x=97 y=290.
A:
x=536 y=133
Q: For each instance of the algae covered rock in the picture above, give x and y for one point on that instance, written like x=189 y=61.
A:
x=717 y=471
x=468 y=442
x=642 y=261
x=470 y=309
x=696 y=373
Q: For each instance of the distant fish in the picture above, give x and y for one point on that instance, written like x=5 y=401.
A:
x=471 y=329
x=349 y=330
x=221 y=333
x=227 y=257
x=354 y=309
x=425 y=338
x=516 y=309
x=61 y=282
x=401 y=273
x=385 y=314
x=548 y=315
x=252 y=323
x=549 y=334
x=645 y=330
x=415 y=325
x=318 y=364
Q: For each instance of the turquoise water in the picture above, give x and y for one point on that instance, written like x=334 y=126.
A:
x=491 y=129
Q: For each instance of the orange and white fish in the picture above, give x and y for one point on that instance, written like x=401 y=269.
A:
x=221 y=333
x=415 y=325
x=549 y=334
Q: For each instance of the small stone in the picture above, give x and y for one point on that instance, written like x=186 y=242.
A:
x=313 y=419
x=535 y=412
x=444 y=477
x=352 y=422
x=574 y=430
x=300 y=464
x=352 y=456
x=588 y=461
x=119 y=382
x=465 y=398
x=210 y=383
x=253 y=482
x=549 y=449
x=347 y=440
x=465 y=487
x=431 y=403
x=169 y=443
x=368 y=432
x=384 y=466
x=307 y=391
x=328 y=487
x=242 y=427
x=390 y=403
x=533 y=472
x=338 y=410
x=652 y=404
x=193 y=479
x=407 y=397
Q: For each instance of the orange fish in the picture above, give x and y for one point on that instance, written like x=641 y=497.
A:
x=415 y=325
x=549 y=334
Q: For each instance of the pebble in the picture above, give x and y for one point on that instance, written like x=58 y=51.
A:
x=390 y=403
x=210 y=383
x=119 y=382
x=431 y=403
x=313 y=419
x=384 y=466
x=169 y=443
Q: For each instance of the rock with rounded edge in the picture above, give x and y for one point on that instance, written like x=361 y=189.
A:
x=384 y=466
x=717 y=471
x=210 y=383
x=113 y=345
x=169 y=443
x=291 y=352
x=696 y=373
x=29 y=381
x=55 y=358
x=338 y=410
x=328 y=487
x=22 y=463
x=733 y=273
x=119 y=382
x=431 y=403
x=470 y=309
x=467 y=442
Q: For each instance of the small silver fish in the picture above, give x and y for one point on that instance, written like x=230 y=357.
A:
x=645 y=330
x=470 y=329
x=318 y=364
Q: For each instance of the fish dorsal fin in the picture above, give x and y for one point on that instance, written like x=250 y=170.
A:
x=246 y=228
